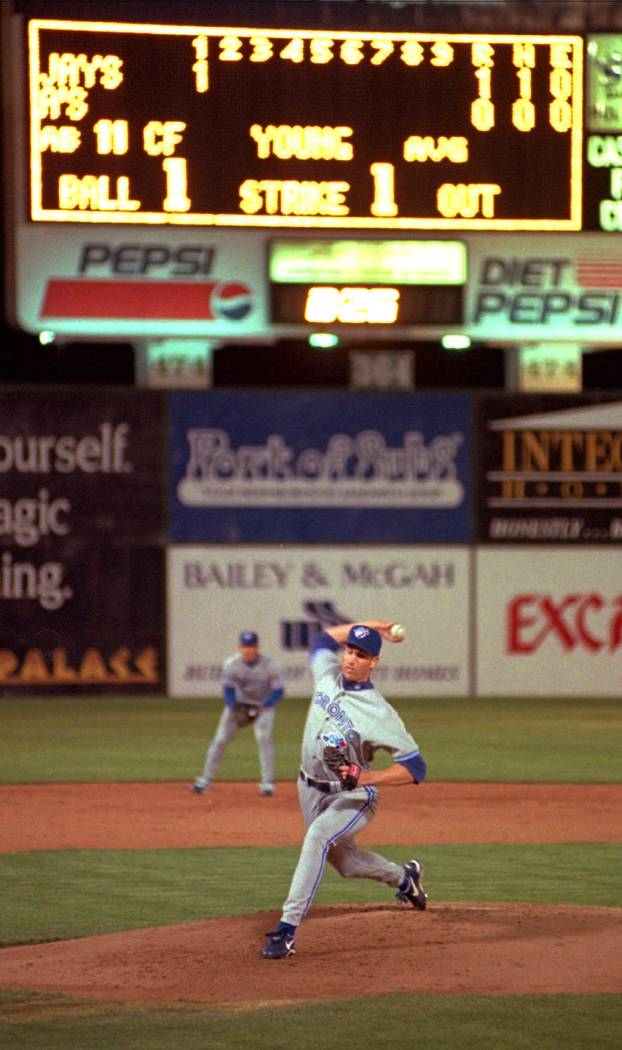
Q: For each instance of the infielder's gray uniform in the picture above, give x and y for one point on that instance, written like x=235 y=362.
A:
x=356 y=718
x=257 y=683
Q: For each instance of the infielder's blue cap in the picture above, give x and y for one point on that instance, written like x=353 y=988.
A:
x=249 y=638
x=365 y=638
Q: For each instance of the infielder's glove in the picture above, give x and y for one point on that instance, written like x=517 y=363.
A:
x=348 y=772
x=244 y=714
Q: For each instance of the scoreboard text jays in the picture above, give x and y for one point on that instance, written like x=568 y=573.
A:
x=304 y=129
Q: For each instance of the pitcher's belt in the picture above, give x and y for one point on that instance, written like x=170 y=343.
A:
x=329 y=787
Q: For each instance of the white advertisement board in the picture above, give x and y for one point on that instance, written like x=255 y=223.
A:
x=549 y=622
x=534 y=287
x=111 y=281
x=190 y=281
x=287 y=593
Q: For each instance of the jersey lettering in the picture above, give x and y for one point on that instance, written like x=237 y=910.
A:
x=338 y=715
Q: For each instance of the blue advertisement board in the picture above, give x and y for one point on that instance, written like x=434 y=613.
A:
x=320 y=468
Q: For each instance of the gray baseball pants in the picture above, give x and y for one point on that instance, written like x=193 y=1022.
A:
x=227 y=728
x=332 y=821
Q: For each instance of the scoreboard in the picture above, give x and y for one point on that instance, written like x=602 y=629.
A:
x=303 y=129
x=238 y=182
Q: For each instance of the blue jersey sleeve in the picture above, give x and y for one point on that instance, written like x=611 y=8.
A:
x=323 y=640
x=273 y=699
x=228 y=692
x=415 y=764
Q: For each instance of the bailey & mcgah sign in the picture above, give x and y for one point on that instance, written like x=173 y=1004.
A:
x=292 y=591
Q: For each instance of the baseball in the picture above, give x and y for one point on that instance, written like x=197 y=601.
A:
x=397 y=631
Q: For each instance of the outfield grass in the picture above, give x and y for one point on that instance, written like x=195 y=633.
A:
x=544 y=1022
x=79 y=893
x=74 y=893
x=71 y=739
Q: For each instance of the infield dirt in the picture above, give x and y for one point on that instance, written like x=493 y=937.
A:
x=452 y=948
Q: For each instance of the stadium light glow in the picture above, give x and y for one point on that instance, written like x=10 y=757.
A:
x=323 y=340
x=455 y=342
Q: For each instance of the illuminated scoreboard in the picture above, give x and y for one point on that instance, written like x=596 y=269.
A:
x=367 y=282
x=303 y=129
x=603 y=139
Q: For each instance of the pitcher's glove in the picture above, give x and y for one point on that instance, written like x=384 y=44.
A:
x=244 y=714
x=348 y=772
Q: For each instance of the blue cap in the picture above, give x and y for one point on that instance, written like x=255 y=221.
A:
x=365 y=638
x=249 y=638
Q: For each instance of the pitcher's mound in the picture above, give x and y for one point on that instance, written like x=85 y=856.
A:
x=342 y=951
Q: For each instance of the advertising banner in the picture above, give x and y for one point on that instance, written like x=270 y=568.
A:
x=213 y=283
x=157 y=282
x=287 y=594
x=531 y=287
x=81 y=541
x=549 y=469
x=602 y=208
x=320 y=468
x=548 y=623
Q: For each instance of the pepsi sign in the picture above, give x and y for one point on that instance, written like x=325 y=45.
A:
x=232 y=300
x=123 y=300
x=161 y=284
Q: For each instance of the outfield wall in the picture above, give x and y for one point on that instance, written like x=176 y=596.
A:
x=140 y=531
x=82 y=539
x=289 y=592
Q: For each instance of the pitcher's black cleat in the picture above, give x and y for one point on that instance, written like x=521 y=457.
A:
x=281 y=943
x=413 y=887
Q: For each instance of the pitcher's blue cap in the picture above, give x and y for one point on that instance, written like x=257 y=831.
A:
x=365 y=638
x=249 y=638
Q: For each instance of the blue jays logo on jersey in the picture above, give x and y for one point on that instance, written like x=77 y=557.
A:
x=332 y=740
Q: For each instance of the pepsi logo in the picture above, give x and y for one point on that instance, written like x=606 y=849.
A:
x=231 y=300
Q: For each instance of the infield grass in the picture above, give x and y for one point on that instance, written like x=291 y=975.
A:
x=72 y=739
x=79 y=893
x=553 y=1022
x=74 y=893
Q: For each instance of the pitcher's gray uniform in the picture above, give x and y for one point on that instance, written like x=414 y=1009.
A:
x=255 y=680
x=355 y=717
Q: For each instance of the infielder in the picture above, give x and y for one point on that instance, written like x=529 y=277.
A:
x=347 y=722
x=252 y=685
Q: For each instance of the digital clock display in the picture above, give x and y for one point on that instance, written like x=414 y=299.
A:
x=367 y=305
x=304 y=129
x=367 y=282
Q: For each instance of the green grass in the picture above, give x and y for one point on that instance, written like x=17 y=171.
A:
x=69 y=739
x=78 y=893
x=51 y=895
x=36 y=1022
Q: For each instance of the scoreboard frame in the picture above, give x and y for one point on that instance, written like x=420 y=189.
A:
x=303 y=129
